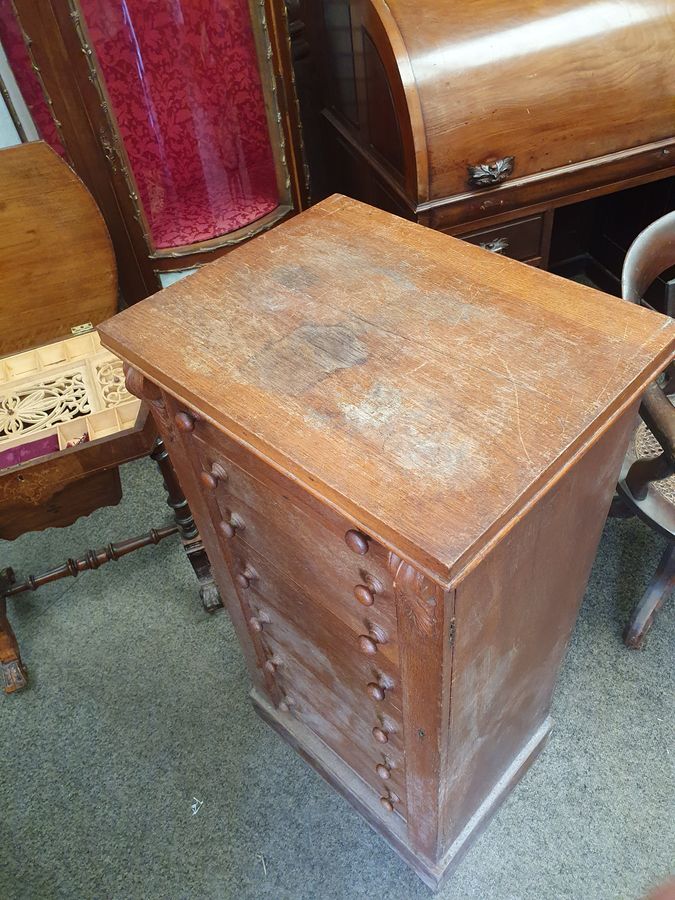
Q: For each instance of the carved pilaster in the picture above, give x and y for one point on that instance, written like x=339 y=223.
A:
x=416 y=594
x=138 y=385
x=424 y=655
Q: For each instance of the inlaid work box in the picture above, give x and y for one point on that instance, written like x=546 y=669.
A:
x=400 y=450
x=60 y=395
x=66 y=419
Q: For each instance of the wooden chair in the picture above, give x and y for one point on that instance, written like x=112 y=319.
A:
x=647 y=486
x=58 y=280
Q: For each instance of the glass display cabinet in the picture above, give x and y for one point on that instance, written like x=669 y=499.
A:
x=179 y=115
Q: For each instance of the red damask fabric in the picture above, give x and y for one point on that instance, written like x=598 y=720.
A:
x=22 y=69
x=183 y=79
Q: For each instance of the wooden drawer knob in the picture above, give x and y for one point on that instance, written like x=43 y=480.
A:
x=380 y=735
x=226 y=528
x=272 y=664
x=229 y=529
x=386 y=802
x=257 y=622
x=245 y=578
x=368 y=642
x=185 y=422
x=210 y=479
x=364 y=595
x=383 y=771
x=367 y=645
x=357 y=541
x=375 y=691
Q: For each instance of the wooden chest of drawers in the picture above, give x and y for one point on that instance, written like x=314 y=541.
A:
x=400 y=452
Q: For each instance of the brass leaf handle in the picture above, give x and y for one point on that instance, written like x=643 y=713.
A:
x=487 y=174
x=498 y=245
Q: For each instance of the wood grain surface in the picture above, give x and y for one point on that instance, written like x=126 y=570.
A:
x=57 y=267
x=551 y=82
x=424 y=388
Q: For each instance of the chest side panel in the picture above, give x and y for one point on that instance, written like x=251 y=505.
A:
x=514 y=617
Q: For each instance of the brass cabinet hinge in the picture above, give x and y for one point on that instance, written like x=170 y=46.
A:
x=82 y=329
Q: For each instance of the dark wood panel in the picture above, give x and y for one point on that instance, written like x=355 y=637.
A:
x=383 y=129
x=521 y=239
x=65 y=503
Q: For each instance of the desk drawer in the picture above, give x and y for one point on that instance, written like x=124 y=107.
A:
x=518 y=240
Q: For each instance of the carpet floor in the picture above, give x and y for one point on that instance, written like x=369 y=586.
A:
x=137 y=712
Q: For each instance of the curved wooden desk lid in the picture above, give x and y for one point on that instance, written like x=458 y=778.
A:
x=526 y=87
x=57 y=267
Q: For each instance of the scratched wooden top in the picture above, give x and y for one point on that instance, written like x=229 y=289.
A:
x=422 y=386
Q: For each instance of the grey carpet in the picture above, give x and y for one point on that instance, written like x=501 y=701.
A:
x=138 y=704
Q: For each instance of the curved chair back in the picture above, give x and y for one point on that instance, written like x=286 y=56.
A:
x=652 y=252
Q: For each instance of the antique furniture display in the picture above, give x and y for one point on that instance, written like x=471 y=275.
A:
x=647 y=486
x=180 y=117
x=67 y=421
x=400 y=452
x=482 y=119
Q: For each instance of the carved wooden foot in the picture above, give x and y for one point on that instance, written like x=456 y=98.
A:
x=208 y=592
x=14 y=674
x=210 y=597
x=189 y=534
x=660 y=587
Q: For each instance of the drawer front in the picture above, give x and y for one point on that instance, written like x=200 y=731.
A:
x=519 y=240
x=319 y=640
x=355 y=588
x=328 y=718
x=324 y=681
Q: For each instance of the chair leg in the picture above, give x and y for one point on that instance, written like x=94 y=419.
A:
x=14 y=674
x=660 y=587
x=189 y=534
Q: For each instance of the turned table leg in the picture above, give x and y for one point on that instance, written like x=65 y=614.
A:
x=14 y=675
x=192 y=542
x=657 y=591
